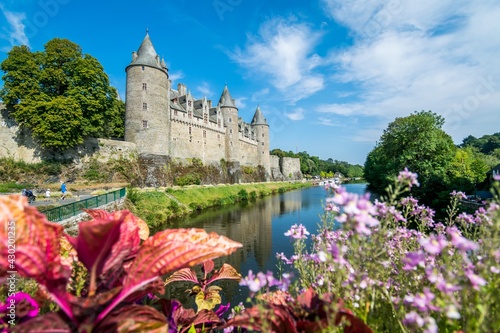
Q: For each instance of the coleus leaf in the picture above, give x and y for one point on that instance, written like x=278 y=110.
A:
x=207 y=267
x=48 y=323
x=209 y=299
x=170 y=250
x=182 y=275
x=37 y=246
x=133 y=319
x=273 y=318
x=226 y=272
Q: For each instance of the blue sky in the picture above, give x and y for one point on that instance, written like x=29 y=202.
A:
x=329 y=75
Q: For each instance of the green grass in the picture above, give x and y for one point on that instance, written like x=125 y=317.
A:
x=11 y=187
x=156 y=206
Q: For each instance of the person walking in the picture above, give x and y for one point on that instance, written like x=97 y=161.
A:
x=47 y=195
x=63 y=190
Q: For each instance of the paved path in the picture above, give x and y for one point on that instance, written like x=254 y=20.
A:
x=40 y=200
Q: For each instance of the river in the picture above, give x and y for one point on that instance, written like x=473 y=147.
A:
x=260 y=227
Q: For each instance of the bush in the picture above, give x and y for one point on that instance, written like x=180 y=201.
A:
x=189 y=179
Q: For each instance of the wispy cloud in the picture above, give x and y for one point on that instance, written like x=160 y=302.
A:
x=283 y=52
x=328 y=122
x=240 y=102
x=421 y=55
x=174 y=76
x=257 y=96
x=14 y=33
x=204 y=89
x=297 y=114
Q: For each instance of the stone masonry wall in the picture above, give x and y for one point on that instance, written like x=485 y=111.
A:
x=275 y=168
x=290 y=168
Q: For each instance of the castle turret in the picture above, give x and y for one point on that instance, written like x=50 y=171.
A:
x=230 y=115
x=147 y=121
x=261 y=128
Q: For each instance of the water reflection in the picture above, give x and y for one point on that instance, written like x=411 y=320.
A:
x=260 y=225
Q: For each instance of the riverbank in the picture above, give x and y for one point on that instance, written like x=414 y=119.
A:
x=155 y=206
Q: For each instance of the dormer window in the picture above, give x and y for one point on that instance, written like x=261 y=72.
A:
x=189 y=103
x=144 y=86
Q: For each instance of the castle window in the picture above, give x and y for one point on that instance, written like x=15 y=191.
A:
x=262 y=143
x=230 y=131
x=204 y=134
x=175 y=112
x=218 y=137
x=218 y=122
x=205 y=118
x=190 y=139
x=143 y=68
x=190 y=115
x=189 y=103
x=189 y=129
x=262 y=134
x=229 y=119
x=144 y=86
x=144 y=106
x=144 y=124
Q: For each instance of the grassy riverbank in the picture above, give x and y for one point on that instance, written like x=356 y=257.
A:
x=157 y=205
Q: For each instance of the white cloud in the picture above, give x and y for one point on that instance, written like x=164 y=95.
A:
x=240 y=102
x=283 y=51
x=297 y=114
x=421 y=55
x=204 y=89
x=174 y=76
x=328 y=122
x=15 y=32
x=257 y=96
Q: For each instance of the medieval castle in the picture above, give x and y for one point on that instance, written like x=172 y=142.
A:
x=164 y=124
x=163 y=121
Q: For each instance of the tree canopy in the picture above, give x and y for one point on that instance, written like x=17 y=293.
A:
x=60 y=94
x=416 y=142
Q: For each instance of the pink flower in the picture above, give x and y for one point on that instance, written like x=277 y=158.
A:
x=475 y=280
x=297 y=232
x=461 y=243
x=407 y=177
x=434 y=244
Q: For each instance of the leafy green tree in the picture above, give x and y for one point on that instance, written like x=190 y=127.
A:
x=418 y=143
x=60 y=94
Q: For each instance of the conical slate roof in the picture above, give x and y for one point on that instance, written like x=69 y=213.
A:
x=146 y=55
x=258 y=118
x=226 y=99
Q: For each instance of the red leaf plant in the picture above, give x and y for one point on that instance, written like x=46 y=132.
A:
x=279 y=312
x=207 y=296
x=121 y=270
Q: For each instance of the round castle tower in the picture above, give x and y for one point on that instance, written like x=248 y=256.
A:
x=261 y=127
x=147 y=101
x=230 y=114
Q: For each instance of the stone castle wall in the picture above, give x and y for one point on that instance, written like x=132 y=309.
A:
x=290 y=168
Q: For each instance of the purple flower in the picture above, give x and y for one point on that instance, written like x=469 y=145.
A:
x=497 y=176
x=413 y=259
x=297 y=232
x=461 y=243
x=434 y=244
x=446 y=287
x=465 y=218
x=254 y=283
x=407 y=177
x=458 y=195
x=475 y=280
x=413 y=320
x=421 y=301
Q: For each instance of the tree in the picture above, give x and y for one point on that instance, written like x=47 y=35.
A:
x=416 y=142
x=61 y=95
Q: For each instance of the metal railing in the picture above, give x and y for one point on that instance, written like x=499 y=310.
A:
x=60 y=213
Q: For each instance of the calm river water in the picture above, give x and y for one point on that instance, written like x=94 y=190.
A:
x=260 y=226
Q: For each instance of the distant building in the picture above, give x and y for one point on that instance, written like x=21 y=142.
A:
x=161 y=120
